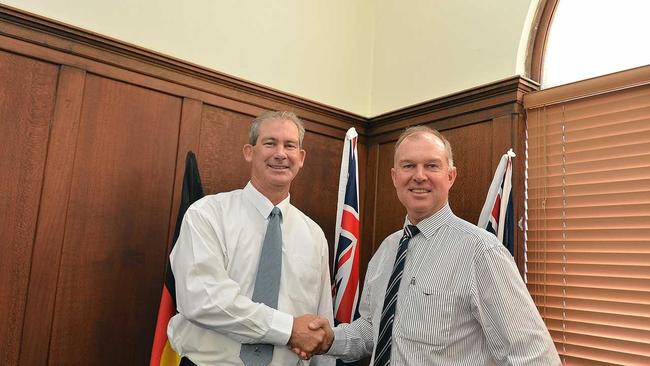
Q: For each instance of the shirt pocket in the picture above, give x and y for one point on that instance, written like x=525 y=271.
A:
x=425 y=316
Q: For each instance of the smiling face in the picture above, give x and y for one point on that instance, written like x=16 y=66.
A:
x=422 y=176
x=276 y=158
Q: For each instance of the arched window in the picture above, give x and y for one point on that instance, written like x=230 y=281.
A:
x=582 y=39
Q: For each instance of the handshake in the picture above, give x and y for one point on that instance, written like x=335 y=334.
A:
x=311 y=335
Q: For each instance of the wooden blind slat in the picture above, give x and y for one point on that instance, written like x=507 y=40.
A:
x=595 y=176
x=579 y=361
x=595 y=356
x=574 y=117
x=639 y=221
x=554 y=154
x=602 y=343
x=599 y=195
x=627 y=210
x=541 y=289
x=614 y=307
x=640 y=162
x=623 y=322
x=596 y=269
x=591 y=257
x=587 y=323
x=605 y=247
x=596 y=234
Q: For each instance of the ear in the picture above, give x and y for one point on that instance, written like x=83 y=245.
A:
x=393 y=172
x=248 y=152
x=451 y=175
x=303 y=154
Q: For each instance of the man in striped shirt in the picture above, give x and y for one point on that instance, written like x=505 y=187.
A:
x=457 y=294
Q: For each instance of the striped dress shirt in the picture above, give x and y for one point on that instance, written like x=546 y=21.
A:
x=461 y=302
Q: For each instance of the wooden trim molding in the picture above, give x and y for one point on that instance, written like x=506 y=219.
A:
x=585 y=88
x=30 y=29
x=455 y=110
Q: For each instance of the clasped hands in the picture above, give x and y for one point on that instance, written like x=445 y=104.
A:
x=310 y=335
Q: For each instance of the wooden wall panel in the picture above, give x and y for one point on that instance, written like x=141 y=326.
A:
x=472 y=148
x=27 y=89
x=315 y=190
x=368 y=181
x=220 y=156
x=117 y=221
x=51 y=222
x=390 y=214
x=188 y=140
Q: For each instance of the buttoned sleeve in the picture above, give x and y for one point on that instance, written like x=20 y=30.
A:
x=207 y=297
x=515 y=332
x=354 y=341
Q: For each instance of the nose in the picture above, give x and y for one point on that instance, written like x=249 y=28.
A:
x=419 y=175
x=280 y=152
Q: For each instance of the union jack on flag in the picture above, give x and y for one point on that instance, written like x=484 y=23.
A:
x=497 y=215
x=345 y=289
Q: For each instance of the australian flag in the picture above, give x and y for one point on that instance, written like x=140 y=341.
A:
x=497 y=215
x=345 y=291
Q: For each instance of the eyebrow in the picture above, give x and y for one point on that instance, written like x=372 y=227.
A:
x=273 y=139
x=426 y=162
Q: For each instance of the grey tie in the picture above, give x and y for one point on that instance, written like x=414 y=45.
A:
x=267 y=285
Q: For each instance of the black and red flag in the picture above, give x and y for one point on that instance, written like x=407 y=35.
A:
x=161 y=353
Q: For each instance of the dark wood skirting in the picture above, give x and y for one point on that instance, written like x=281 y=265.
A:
x=94 y=133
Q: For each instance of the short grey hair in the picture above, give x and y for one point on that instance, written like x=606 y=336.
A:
x=423 y=130
x=254 y=131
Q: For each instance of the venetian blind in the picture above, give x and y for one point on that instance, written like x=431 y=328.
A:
x=588 y=217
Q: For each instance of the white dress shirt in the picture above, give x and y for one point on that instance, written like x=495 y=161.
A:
x=215 y=262
x=461 y=301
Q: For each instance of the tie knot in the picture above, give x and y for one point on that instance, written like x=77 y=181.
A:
x=275 y=211
x=411 y=231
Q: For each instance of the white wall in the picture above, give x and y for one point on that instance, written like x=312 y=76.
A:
x=364 y=56
x=434 y=48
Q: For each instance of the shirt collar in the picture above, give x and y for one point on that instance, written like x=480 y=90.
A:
x=432 y=223
x=263 y=204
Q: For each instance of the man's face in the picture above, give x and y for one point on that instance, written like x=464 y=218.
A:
x=276 y=157
x=422 y=176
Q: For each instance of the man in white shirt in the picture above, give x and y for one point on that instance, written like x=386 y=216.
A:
x=216 y=257
x=441 y=291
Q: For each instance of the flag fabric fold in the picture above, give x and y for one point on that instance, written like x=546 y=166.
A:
x=345 y=272
x=161 y=352
x=497 y=215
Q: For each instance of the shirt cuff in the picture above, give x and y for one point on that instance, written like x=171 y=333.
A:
x=280 y=330
x=338 y=345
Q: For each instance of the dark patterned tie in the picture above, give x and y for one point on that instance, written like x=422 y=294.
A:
x=267 y=285
x=384 y=343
